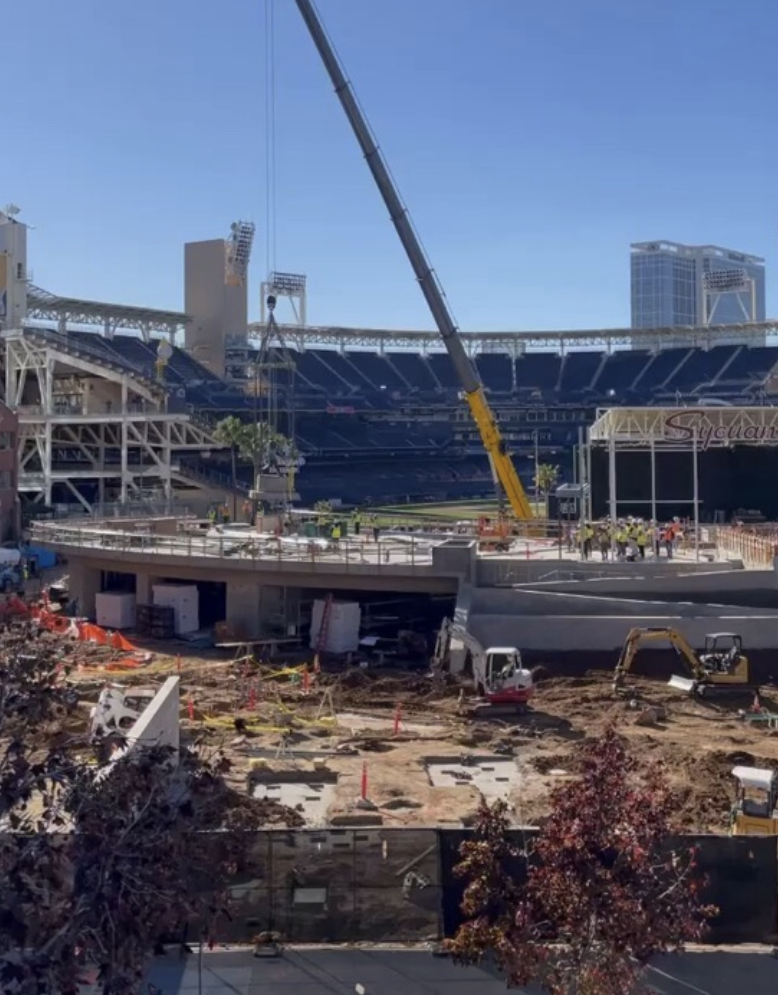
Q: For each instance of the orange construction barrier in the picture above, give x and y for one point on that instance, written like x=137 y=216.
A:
x=118 y=642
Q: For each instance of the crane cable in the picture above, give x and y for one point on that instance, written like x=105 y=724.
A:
x=270 y=137
x=263 y=403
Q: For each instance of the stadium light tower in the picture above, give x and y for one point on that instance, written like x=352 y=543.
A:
x=237 y=253
x=736 y=282
x=293 y=286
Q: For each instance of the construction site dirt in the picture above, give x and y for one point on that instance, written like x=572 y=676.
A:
x=369 y=747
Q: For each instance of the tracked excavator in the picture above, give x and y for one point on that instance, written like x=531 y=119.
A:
x=503 y=470
x=720 y=666
x=501 y=682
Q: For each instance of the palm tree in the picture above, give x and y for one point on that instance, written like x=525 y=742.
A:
x=260 y=443
x=546 y=478
x=256 y=442
x=229 y=432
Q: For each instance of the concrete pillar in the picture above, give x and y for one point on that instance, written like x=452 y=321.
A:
x=243 y=614
x=85 y=582
x=143 y=585
x=279 y=609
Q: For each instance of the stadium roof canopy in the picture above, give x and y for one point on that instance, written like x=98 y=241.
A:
x=685 y=428
x=516 y=342
x=43 y=306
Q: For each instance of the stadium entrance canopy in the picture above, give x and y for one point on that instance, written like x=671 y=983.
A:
x=658 y=430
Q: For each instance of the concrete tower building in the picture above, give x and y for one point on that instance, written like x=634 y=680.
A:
x=216 y=294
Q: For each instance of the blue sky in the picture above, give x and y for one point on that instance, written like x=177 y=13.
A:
x=531 y=141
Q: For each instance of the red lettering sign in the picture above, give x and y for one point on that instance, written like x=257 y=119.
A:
x=688 y=426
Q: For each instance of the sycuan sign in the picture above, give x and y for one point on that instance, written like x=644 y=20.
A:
x=685 y=426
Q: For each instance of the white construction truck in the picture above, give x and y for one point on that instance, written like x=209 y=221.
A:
x=501 y=681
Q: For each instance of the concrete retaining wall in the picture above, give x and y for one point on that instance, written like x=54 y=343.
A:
x=398 y=885
x=587 y=633
x=591 y=599
x=742 y=882
x=158 y=724
x=504 y=571
x=744 y=587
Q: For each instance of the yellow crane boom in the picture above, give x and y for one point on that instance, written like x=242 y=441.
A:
x=491 y=437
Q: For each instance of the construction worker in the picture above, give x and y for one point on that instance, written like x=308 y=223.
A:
x=641 y=538
x=357 y=522
x=604 y=539
x=621 y=540
x=669 y=539
x=656 y=537
x=336 y=533
x=212 y=516
x=587 y=536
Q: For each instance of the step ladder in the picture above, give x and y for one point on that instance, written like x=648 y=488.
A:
x=324 y=628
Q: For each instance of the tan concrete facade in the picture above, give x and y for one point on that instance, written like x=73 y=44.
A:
x=217 y=309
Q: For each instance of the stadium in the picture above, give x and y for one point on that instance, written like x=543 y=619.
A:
x=117 y=404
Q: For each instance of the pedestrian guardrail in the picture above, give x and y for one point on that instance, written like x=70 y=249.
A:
x=753 y=548
x=345 y=553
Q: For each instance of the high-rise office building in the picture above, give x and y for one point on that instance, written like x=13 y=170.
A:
x=675 y=284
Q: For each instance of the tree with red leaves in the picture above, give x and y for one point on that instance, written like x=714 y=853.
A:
x=98 y=865
x=605 y=890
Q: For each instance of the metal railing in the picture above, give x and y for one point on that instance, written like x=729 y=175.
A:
x=114 y=509
x=351 y=553
x=757 y=549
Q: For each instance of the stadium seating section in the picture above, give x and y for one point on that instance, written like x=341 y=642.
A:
x=355 y=410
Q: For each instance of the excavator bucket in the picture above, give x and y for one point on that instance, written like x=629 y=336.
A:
x=684 y=684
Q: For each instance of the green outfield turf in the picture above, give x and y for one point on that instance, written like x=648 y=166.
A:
x=453 y=511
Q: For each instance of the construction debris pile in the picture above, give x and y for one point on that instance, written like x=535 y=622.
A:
x=368 y=746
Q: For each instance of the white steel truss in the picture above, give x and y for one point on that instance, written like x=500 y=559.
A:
x=66 y=311
x=98 y=426
x=685 y=428
x=515 y=343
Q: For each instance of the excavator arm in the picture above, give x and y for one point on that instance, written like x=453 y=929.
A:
x=636 y=638
x=491 y=438
x=450 y=630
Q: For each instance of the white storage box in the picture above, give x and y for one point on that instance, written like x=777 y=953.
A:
x=184 y=599
x=115 y=610
x=343 y=628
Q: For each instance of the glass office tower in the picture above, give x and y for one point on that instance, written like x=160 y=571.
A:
x=675 y=284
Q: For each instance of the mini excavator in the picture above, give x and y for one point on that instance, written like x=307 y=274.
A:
x=720 y=666
x=756 y=810
x=500 y=679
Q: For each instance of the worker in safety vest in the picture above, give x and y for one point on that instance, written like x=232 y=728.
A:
x=641 y=538
x=587 y=536
x=357 y=522
x=620 y=538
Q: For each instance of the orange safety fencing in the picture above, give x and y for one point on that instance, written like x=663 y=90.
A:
x=755 y=549
x=84 y=631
